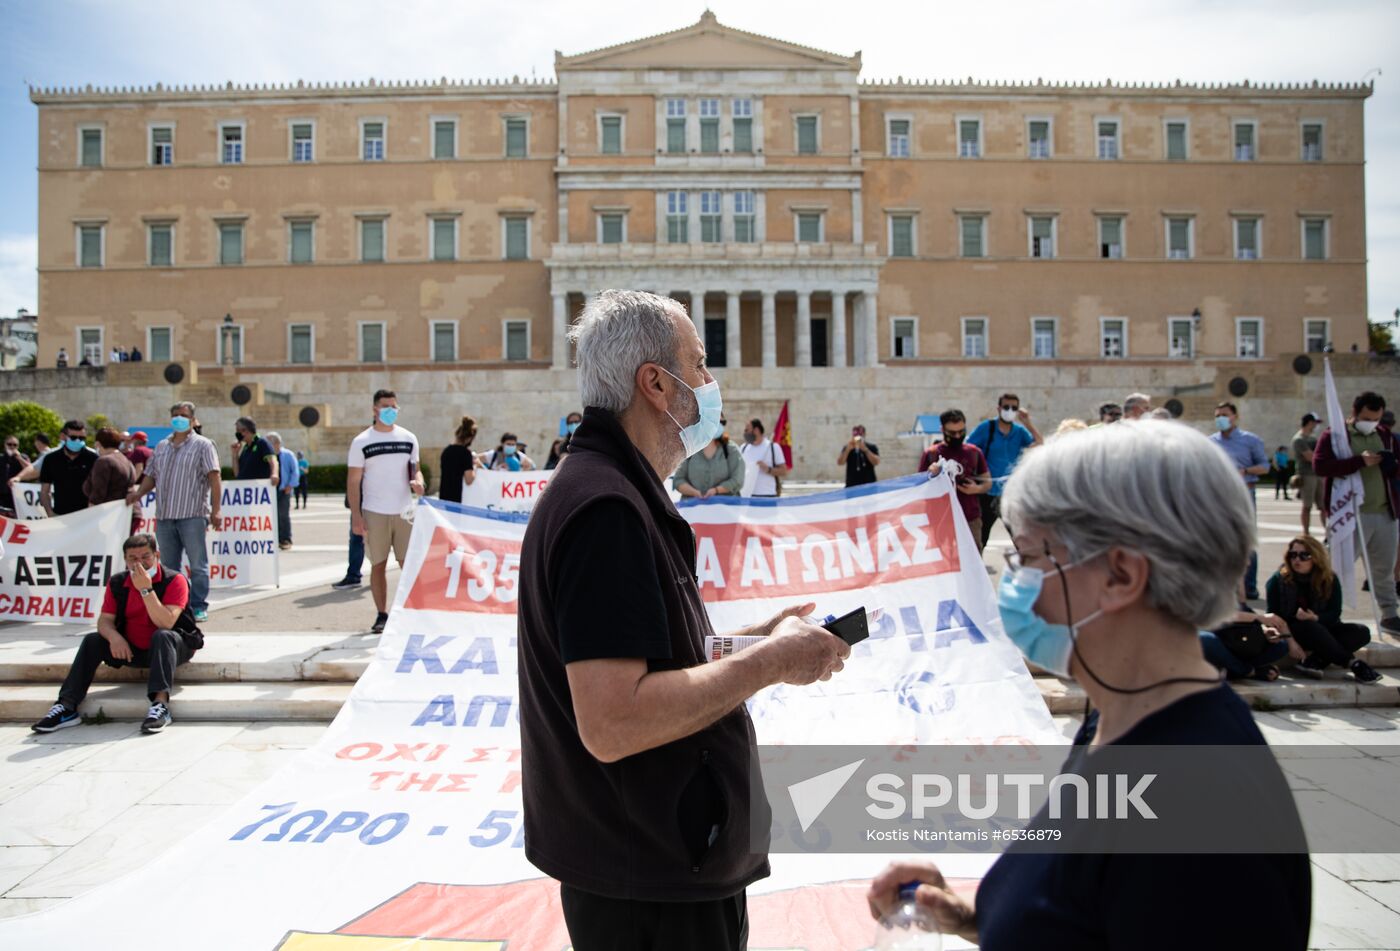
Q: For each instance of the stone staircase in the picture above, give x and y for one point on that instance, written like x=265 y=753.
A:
x=294 y=676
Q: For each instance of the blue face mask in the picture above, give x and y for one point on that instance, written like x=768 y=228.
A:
x=698 y=434
x=572 y=428
x=181 y=424
x=74 y=445
x=509 y=449
x=389 y=415
x=1223 y=423
x=1046 y=645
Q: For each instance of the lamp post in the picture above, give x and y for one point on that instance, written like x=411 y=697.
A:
x=227 y=331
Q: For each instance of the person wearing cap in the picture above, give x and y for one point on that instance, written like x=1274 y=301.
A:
x=137 y=453
x=1309 y=484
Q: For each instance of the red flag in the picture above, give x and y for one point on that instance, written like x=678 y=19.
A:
x=782 y=434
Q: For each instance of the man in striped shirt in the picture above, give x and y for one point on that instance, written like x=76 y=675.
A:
x=185 y=467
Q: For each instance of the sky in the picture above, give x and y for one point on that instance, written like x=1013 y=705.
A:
x=141 y=42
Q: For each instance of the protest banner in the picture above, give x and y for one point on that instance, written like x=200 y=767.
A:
x=243 y=553
x=27 y=505
x=55 y=569
x=498 y=490
x=404 y=822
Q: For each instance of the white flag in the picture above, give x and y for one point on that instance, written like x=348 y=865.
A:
x=1346 y=498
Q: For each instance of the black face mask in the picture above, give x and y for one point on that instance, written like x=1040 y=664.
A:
x=953 y=442
x=237 y=436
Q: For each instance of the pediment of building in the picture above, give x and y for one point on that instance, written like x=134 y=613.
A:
x=707 y=44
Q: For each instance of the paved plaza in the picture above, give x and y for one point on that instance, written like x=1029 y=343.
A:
x=85 y=805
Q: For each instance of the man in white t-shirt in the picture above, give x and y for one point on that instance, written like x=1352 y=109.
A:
x=764 y=463
x=383 y=479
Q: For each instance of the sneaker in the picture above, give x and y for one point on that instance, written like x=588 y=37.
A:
x=380 y=620
x=201 y=614
x=1252 y=595
x=345 y=584
x=1391 y=625
x=57 y=718
x=157 y=718
x=1364 y=672
x=1311 y=666
x=285 y=546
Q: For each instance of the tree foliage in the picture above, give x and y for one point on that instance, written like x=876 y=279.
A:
x=24 y=419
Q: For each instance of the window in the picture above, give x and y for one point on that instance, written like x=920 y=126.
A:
x=516 y=343
x=711 y=216
x=610 y=135
x=743 y=125
x=303 y=142
x=444 y=341
x=1043 y=344
x=160 y=245
x=1312 y=142
x=231 y=143
x=371 y=240
x=1181 y=333
x=675 y=126
x=969 y=138
x=1315 y=239
x=1179 y=238
x=517 y=137
x=1111 y=237
x=1176 y=142
x=371 y=342
x=677 y=218
x=158 y=344
x=1042 y=236
x=90 y=345
x=904 y=337
x=162 y=145
x=444 y=138
x=444 y=237
x=901 y=236
x=809 y=227
x=1107 y=138
x=974 y=236
x=372 y=140
x=1317 y=334
x=231 y=242
x=806 y=135
x=1113 y=338
x=300 y=343
x=1249 y=337
x=90 y=245
x=612 y=228
x=897 y=138
x=974 y=337
x=90 y=148
x=230 y=346
x=744 y=230
x=1244 y=141
x=709 y=126
x=1246 y=239
x=517 y=237
x=300 y=249
x=1038 y=138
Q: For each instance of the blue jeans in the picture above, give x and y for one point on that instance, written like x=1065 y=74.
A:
x=181 y=538
x=357 y=557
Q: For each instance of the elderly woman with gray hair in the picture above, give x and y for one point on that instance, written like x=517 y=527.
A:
x=1129 y=539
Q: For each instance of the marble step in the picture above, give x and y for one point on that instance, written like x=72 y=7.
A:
x=219 y=701
x=1336 y=689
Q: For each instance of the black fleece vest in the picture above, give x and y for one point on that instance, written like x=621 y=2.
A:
x=627 y=829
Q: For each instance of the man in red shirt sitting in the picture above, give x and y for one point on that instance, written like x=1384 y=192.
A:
x=140 y=612
x=972 y=478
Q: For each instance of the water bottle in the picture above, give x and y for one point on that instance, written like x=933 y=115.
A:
x=907 y=926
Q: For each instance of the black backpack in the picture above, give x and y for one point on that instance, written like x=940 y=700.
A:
x=184 y=624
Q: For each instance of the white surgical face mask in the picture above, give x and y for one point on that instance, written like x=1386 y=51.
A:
x=1008 y=416
x=1366 y=426
x=710 y=406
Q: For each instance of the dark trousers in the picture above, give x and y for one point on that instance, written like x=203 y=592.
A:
x=1334 y=641
x=357 y=557
x=1251 y=571
x=284 y=516
x=618 y=924
x=1235 y=667
x=991 y=511
x=300 y=492
x=167 y=651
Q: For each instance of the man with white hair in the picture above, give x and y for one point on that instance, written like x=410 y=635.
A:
x=635 y=750
x=1137 y=406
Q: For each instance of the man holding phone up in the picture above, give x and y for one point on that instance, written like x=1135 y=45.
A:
x=860 y=458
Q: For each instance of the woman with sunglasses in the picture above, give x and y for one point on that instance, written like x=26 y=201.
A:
x=1305 y=593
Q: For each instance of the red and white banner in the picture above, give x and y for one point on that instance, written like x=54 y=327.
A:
x=56 y=569
x=498 y=490
x=402 y=827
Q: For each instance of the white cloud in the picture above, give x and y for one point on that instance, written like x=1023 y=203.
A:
x=19 y=256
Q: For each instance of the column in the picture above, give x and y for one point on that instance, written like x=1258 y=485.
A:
x=733 y=339
x=697 y=312
x=857 y=217
x=872 y=328
x=802 y=345
x=560 y=351
x=770 y=329
x=838 y=327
